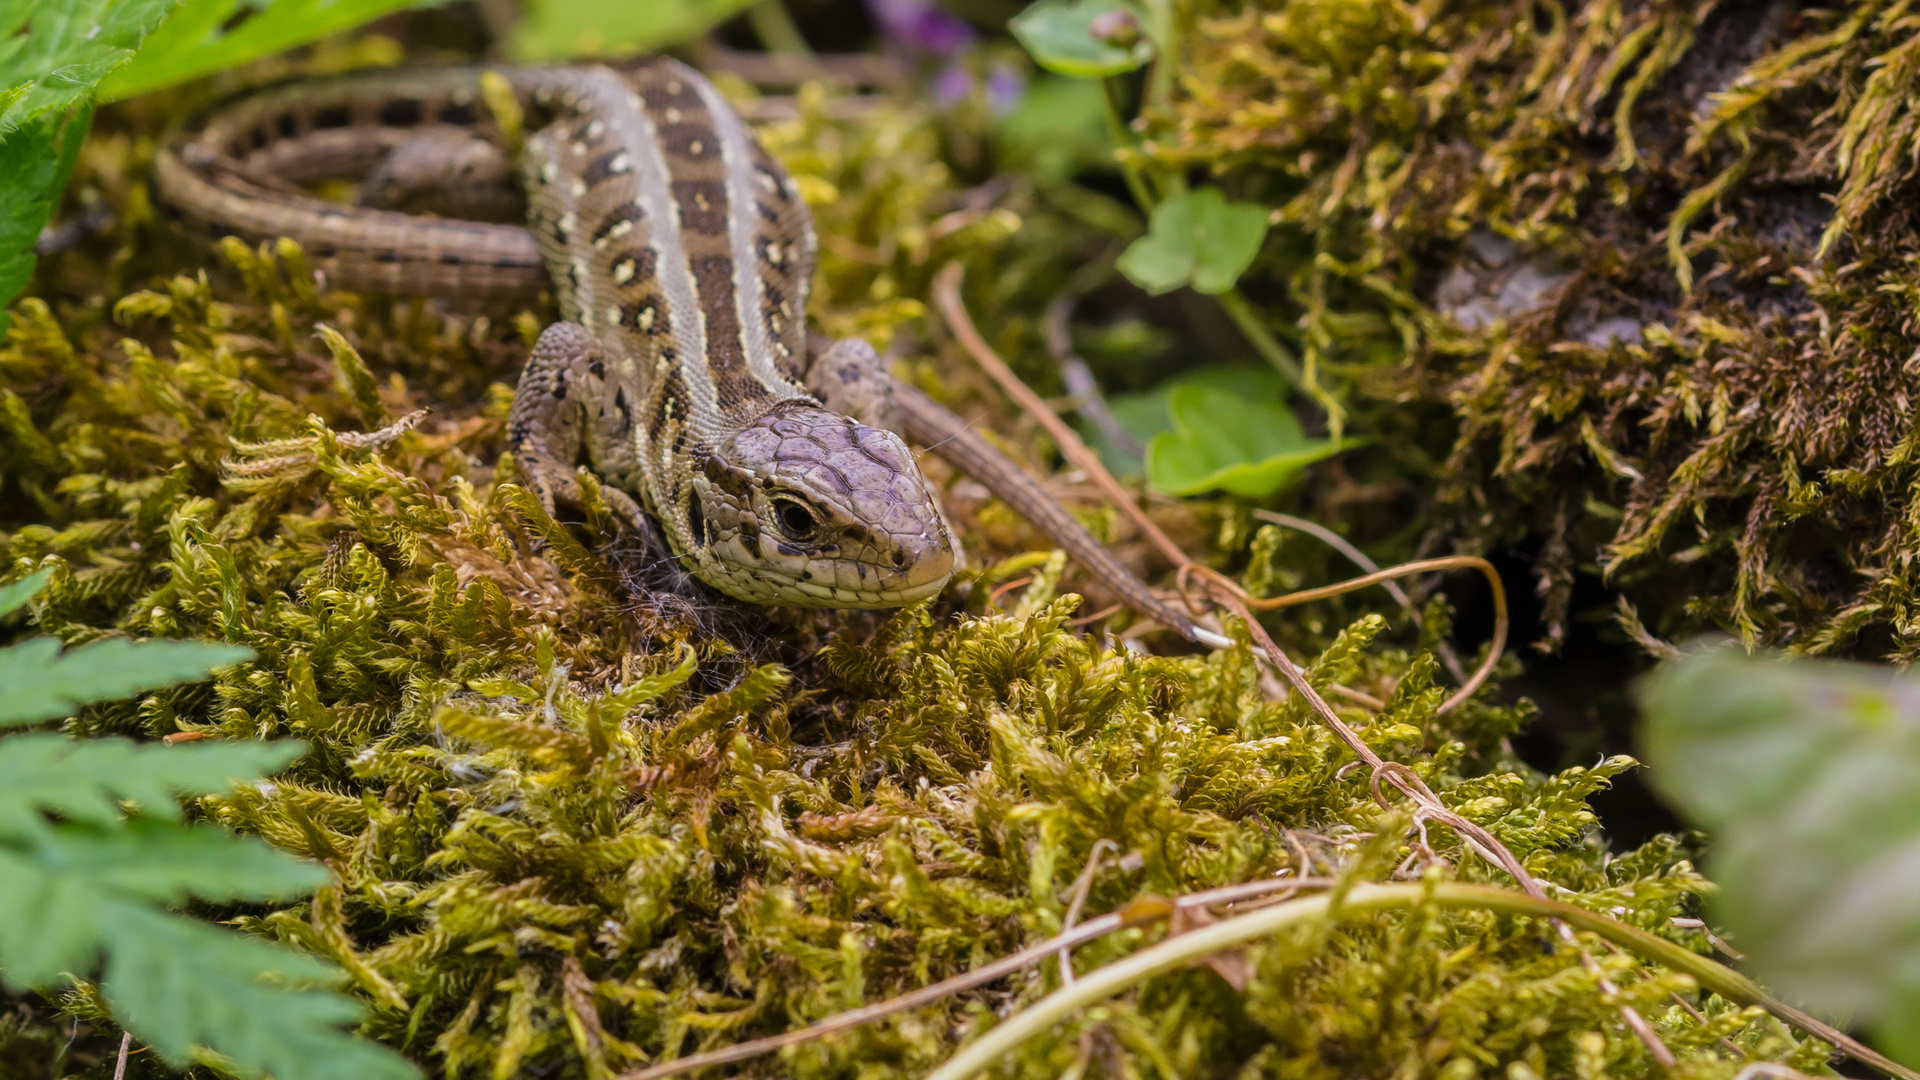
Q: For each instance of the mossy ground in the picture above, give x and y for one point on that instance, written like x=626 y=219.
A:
x=577 y=826
x=1700 y=384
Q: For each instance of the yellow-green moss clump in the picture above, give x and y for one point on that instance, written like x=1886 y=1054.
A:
x=576 y=828
x=1656 y=260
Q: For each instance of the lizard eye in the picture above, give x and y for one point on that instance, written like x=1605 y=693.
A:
x=795 y=520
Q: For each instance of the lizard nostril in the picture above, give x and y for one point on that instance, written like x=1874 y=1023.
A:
x=899 y=559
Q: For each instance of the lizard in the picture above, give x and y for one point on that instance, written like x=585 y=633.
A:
x=680 y=255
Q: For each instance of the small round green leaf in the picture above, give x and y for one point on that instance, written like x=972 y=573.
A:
x=1196 y=238
x=1060 y=35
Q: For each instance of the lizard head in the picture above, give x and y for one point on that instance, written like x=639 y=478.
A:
x=810 y=508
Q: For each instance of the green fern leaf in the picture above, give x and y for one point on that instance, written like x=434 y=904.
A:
x=18 y=593
x=159 y=860
x=181 y=984
x=86 y=781
x=42 y=683
x=56 y=891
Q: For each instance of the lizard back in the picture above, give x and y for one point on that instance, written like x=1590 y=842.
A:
x=685 y=250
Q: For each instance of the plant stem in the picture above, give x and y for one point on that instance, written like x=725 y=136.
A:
x=1117 y=129
x=1235 y=304
x=775 y=28
x=1366 y=899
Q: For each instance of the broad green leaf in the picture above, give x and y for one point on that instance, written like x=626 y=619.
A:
x=1146 y=414
x=1058 y=129
x=87 y=780
x=1196 y=238
x=18 y=593
x=1222 y=439
x=36 y=158
x=1808 y=774
x=1059 y=34
x=557 y=29
x=205 y=36
x=52 y=54
x=39 y=682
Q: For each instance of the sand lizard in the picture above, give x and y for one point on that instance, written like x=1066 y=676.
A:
x=681 y=255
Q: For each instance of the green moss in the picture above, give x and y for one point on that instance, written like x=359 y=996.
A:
x=576 y=827
x=1707 y=394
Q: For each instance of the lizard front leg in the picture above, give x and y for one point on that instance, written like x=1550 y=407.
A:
x=850 y=378
x=547 y=429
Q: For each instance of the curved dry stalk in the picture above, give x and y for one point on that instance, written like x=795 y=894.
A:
x=1081 y=886
x=1359 y=558
x=1218 y=581
x=946 y=297
x=1363 y=899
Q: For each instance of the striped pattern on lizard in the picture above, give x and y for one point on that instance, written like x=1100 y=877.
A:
x=681 y=257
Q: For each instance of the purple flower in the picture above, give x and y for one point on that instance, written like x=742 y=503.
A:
x=1005 y=87
x=923 y=29
x=921 y=26
x=954 y=83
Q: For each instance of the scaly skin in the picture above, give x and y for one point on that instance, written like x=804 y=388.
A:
x=681 y=259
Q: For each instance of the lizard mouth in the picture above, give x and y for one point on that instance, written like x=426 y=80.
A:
x=832 y=583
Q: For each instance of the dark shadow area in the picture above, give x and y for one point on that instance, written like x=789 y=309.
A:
x=1584 y=692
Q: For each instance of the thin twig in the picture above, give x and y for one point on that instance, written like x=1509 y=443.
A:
x=1081 y=886
x=1220 y=586
x=120 y=1063
x=1701 y=1018
x=980 y=976
x=1359 y=558
x=1074 y=371
x=946 y=296
x=1712 y=938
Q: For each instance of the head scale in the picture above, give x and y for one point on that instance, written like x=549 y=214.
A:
x=807 y=507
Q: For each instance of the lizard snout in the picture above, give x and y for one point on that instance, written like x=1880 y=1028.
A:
x=809 y=507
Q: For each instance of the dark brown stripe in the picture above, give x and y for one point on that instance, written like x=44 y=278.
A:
x=703 y=206
x=726 y=358
x=602 y=168
x=402 y=112
x=657 y=88
x=645 y=265
x=695 y=142
x=628 y=211
x=674 y=391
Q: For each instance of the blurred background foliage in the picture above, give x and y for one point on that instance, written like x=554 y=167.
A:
x=1616 y=293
